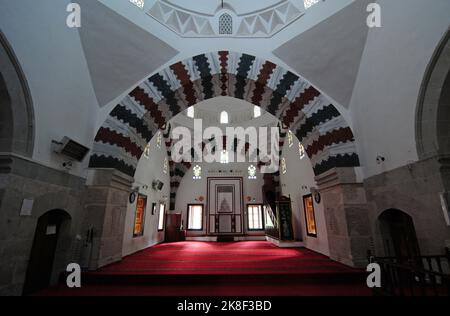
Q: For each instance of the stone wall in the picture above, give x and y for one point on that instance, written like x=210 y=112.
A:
x=51 y=189
x=346 y=214
x=106 y=206
x=414 y=189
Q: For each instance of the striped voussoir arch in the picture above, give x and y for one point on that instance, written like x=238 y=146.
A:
x=121 y=140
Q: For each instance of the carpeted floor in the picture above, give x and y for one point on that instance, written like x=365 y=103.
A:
x=221 y=269
x=246 y=258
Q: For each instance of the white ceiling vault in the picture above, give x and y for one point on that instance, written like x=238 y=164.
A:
x=117 y=51
x=248 y=18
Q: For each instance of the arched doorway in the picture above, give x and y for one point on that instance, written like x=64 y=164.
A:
x=399 y=235
x=50 y=227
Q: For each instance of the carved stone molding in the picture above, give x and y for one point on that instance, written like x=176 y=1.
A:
x=263 y=23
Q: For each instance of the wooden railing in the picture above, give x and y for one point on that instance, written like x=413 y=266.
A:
x=271 y=231
x=418 y=276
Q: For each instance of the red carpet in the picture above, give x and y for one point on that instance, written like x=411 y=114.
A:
x=247 y=258
x=221 y=269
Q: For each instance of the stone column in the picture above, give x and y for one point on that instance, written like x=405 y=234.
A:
x=106 y=206
x=346 y=214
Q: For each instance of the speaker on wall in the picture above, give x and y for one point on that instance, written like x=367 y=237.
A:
x=157 y=185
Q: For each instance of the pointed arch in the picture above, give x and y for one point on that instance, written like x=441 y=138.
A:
x=324 y=132
x=16 y=105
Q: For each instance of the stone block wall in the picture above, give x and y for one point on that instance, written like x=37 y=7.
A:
x=414 y=189
x=106 y=206
x=344 y=199
x=51 y=189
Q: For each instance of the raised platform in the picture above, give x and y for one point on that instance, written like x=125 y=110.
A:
x=234 y=238
x=216 y=269
x=285 y=244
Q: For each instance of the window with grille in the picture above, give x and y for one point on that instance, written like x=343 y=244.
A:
x=225 y=24
x=197 y=173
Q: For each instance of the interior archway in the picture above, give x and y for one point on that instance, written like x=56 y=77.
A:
x=16 y=107
x=433 y=109
x=328 y=138
x=398 y=235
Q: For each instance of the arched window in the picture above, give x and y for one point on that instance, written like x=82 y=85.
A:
x=310 y=3
x=224 y=119
x=301 y=151
x=197 y=172
x=290 y=139
x=224 y=159
x=147 y=151
x=283 y=166
x=226 y=24
x=191 y=112
x=256 y=111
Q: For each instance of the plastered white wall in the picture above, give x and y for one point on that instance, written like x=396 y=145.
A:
x=147 y=171
x=296 y=183
x=52 y=59
x=190 y=189
x=383 y=106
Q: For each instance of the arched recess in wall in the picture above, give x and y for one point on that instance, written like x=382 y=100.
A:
x=433 y=108
x=327 y=137
x=179 y=170
x=16 y=106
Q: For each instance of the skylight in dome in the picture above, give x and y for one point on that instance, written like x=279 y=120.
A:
x=139 y=3
x=310 y=3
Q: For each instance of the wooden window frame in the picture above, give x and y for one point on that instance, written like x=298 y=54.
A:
x=262 y=218
x=189 y=215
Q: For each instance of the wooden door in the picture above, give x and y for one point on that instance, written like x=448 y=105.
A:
x=40 y=266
